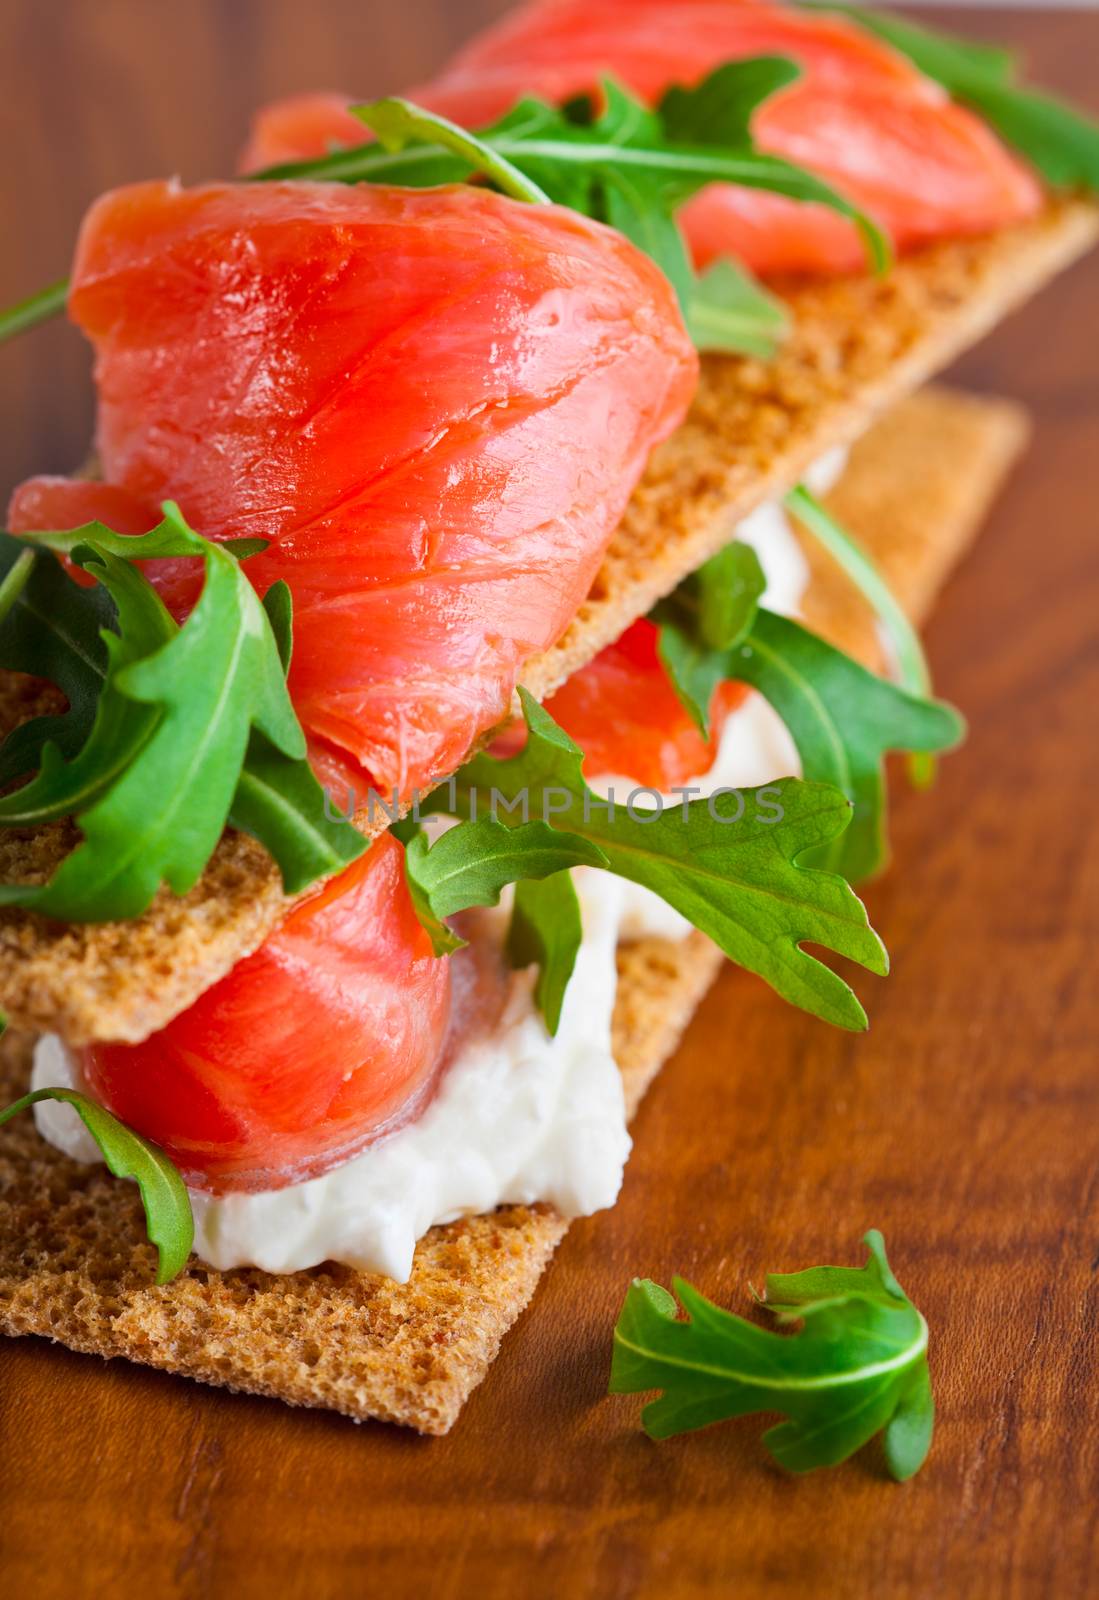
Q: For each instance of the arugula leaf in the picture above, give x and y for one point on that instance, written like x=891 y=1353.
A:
x=626 y=165
x=121 y=725
x=729 y=863
x=858 y=1366
x=188 y=721
x=399 y=124
x=719 y=110
x=915 y=674
x=15 y=581
x=168 y=1217
x=279 y=802
x=701 y=622
x=843 y=721
x=470 y=865
x=278 y=603
x=546 y=930
x=1060 y=142
x=53 y=629
x=728 y=311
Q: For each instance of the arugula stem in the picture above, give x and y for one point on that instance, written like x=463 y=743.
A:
x=40 y=307
x=15 y=582
x=489 y=159
x=915 y=674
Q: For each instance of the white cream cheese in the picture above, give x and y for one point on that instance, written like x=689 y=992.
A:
x=518 y=1117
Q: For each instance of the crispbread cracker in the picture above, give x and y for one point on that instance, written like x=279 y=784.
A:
x=74 y=1263
x=857 y=347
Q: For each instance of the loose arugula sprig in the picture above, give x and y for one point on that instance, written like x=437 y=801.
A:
x=842 y=718
x=173 y=730
x=169 y=1222
x=730 y=864
x=858 y=1365
x=1058 y=141
x=625 y=165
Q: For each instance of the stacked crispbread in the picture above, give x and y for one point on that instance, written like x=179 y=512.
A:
x=73 y=1261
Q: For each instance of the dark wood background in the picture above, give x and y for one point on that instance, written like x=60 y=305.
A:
x=966 y=1125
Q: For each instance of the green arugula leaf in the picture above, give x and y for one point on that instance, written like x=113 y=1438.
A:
x=278 y=603
x=189 y=721
x=168 y=1217
x=279 y=802
x=53 y=629
x=843 y=721
x=729 y=864
x=546 y=931
x=15 y=580
x=703 y=620
x=278 y=799
x=625 y=165
x=399 y=124
x=470 y=865
x=728 y=311
x=915 y=674
x=121 y=725
x=858 y=1365
x=719 y=109
x=1061 y=143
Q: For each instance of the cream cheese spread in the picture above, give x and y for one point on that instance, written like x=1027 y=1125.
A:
x=519 y=1116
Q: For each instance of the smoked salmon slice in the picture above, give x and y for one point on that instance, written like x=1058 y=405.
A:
x=861 y=117
x=328 y=1037
x=433 y=404
x=623 y=712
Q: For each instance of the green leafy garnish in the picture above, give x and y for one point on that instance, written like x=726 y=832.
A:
x=54 y=630
x=185 y=723
x=399 y=124
x=168 y=1218
x=915 y=674
x=121 y=724
x=702 y=621
x=1061 y=143
x=728 y=310
x=858 y=1365
x=15 y=581
x=546 y=931
x=730 y=864
x=471 y=864
x=843 y=721
x=628 y=166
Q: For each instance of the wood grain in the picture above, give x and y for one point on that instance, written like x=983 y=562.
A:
x=966 y=1124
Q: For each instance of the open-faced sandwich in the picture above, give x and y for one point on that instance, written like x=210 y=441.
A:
x=487 y=607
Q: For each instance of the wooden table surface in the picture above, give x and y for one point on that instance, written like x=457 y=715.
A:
x=965 y=1125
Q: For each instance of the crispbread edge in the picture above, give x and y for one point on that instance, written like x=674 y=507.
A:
x=74 y=1263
